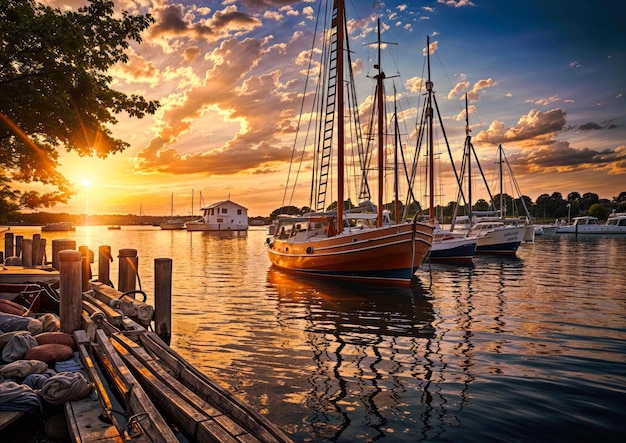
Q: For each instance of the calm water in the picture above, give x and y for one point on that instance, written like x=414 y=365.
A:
x=525 y=349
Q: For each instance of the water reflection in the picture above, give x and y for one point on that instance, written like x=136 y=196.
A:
x=371 y=349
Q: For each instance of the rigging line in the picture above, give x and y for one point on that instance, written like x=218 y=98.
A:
x=301 y=113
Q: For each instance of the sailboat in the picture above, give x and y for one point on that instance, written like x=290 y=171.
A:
x=353 y=244
x=494 y=236
x=447 y=246
x=173 y=223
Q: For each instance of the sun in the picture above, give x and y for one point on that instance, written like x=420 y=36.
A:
x=86 y=182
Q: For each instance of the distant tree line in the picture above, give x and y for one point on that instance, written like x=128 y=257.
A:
x=546 y=208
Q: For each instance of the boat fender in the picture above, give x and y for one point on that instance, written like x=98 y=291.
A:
x=309 y=250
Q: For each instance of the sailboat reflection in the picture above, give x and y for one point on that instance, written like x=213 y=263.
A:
x=377 y=357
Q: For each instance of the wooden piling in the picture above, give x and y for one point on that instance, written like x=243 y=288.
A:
x=104 y=260
x=18 y=245
x=85 y=268
x=163 y=298
x=59 y=245
x=35 y=249
x=128 y=269
x=8 y=244
x=70 y=290
x=41 y=256
x=27 y=252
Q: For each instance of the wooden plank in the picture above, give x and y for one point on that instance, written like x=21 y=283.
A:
x=82 y=344
x=138 y=401
x=214 y=394
x=114 y=317
x=8 y=417
x=181 y=411
x=84 y=424
x=182 y=392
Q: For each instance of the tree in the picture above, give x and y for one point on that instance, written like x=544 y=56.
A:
x=54 y=90
x=598 y=210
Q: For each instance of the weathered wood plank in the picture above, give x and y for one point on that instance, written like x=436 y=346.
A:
x=214 y=394
x=138 y=401
x=182 y=392
x=84 y=423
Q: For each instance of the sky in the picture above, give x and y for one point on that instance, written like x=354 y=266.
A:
x=546 y=79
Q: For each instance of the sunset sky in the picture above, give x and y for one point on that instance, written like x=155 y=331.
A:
x=546 y=79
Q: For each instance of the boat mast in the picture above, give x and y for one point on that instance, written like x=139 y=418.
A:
x=431 y=155
x=340 y=25
x=381 y=121
x=502 y=208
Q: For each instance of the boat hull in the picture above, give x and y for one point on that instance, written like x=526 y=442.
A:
x=388 y=255
x=453 y=250
x=501 y=241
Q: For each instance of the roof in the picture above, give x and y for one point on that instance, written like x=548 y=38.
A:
x=223 y=202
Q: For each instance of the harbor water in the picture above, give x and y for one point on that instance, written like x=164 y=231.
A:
x=531 y=348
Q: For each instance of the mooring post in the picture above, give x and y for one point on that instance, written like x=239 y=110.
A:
x=59 y=245
x=104 y=261
x=8 y=244
x=85 y=267
x=163 y=298
x=18 y=245
x=27 y=252
x=70 y=290
x=41 y=255
x=128 y=270
x=36 y=245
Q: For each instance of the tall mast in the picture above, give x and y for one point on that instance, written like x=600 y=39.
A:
x=340 y=23
x=381 y=133
x=468 y=142
x=431 y=154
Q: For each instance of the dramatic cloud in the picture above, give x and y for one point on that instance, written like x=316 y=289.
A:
x=255 y=103
x=535 y=125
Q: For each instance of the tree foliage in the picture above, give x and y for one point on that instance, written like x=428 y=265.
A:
x=55 y=91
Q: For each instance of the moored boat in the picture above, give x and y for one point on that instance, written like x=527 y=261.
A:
x=59 y=226
x=334 y=243
x=616 y=224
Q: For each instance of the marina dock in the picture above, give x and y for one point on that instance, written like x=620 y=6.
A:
x=140 y=389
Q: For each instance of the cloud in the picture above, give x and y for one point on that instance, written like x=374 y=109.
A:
x=173 y=20
x=473 y=94
x=456 y=3
x=535 y=126
x=561 y=157
x=258 y=105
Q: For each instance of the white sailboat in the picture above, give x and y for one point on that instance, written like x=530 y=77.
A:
x=493 y=235
x=173 y=223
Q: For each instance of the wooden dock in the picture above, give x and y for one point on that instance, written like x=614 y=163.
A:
x=143 y=390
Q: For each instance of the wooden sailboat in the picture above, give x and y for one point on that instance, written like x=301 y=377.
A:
x=447 y=246
x=346 y=244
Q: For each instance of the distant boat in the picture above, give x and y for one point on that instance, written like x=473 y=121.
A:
x=336 y=243
x=616 y=224
x=59 y=226
x=174 y=223
x=221 y=216
x=114 y=228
